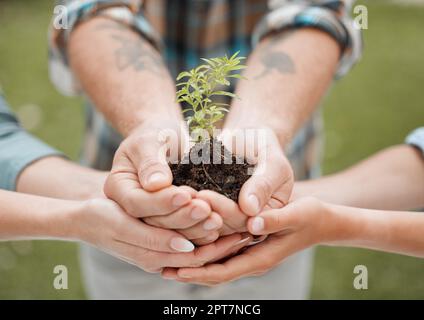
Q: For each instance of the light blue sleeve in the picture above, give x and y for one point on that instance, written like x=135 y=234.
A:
x=18 y=148
x=416 y=138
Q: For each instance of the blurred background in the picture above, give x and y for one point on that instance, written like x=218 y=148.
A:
x=375 y=106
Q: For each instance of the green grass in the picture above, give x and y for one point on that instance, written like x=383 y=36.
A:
x=375 y=106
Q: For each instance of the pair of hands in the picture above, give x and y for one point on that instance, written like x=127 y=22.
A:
x=170 y=219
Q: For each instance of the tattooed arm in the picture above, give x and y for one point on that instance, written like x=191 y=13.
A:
x=287 y=74
x=122 y=73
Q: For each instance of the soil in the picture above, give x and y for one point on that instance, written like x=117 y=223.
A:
x=226 y=176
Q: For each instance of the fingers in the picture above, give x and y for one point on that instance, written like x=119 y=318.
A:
x=124 y=188
x=271 y=221
x=230 y=212
x=204 y=228
x=185 y=217
x=135 y=232
x=206 y=254
x=254 y=261
x=211 y=237
x=152 y=261
x=273 y=177
x=297 y=215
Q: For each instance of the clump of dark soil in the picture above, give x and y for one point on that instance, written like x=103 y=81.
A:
x=210 y=165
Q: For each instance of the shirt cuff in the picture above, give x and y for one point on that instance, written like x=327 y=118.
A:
x=127 y=12
x=333 y=19
x=19 y=150
x=416 y=139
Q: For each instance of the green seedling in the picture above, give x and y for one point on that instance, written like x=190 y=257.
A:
x=201 y=85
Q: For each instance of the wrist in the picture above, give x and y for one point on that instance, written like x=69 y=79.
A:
x=158 y=117
x=354 y=226
x=59 y=222
x=269 y=127
x=77 y=217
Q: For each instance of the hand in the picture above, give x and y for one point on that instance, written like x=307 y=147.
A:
x=295 y=227
x=140 y=179
x=102 y=223
x=140 y=182
x=272 y=180
x=196 y=221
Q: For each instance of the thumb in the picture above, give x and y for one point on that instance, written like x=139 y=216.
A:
x=148 y=155
x=271 y=221
x=273 y=177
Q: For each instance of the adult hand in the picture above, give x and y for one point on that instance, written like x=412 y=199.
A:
x=104 y=224
x=140 y=179
x=272 y=180
x=295 y=227
x=140 y=182
x=196 y=221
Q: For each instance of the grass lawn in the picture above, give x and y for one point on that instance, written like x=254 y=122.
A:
x=375 y=106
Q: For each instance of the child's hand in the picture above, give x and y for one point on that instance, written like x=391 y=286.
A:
x=305 y=215
x=295 y=227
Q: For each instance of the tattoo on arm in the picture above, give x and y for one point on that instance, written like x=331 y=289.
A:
x=275 y=60
x=133 y=52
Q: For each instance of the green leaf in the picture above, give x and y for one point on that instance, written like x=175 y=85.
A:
x=223 y=93
x=183 y=75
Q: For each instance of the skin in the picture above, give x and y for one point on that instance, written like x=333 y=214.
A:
x=399 y=166
x=285 y=82
x=309 y=221
x=296 y=77
x=137 y=95
x=103 y=224
x=87 y=216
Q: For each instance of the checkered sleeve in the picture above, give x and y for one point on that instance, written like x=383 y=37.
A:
x=331 y=16
x=69 y=13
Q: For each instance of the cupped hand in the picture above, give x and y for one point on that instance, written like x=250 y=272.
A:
x=295 y=227
x=102 y=223
x=141 y=182
x=140 y=179
x=272 y=180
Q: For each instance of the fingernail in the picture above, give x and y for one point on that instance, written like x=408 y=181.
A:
x=156 y=177
x=254 y=202
x=181 y=245
x=180 y=200
x=197 y=213
x=241 y=241
x=185 y=276
x=210 y=225
x=258 y=224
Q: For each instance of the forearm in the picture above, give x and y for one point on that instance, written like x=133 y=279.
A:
x=393 y=179
x=31 y=217
x=287 y=75
x=60 y=178
x=122 y=73
x=392 y=231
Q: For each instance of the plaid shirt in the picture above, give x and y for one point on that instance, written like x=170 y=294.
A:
x=186 y=30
